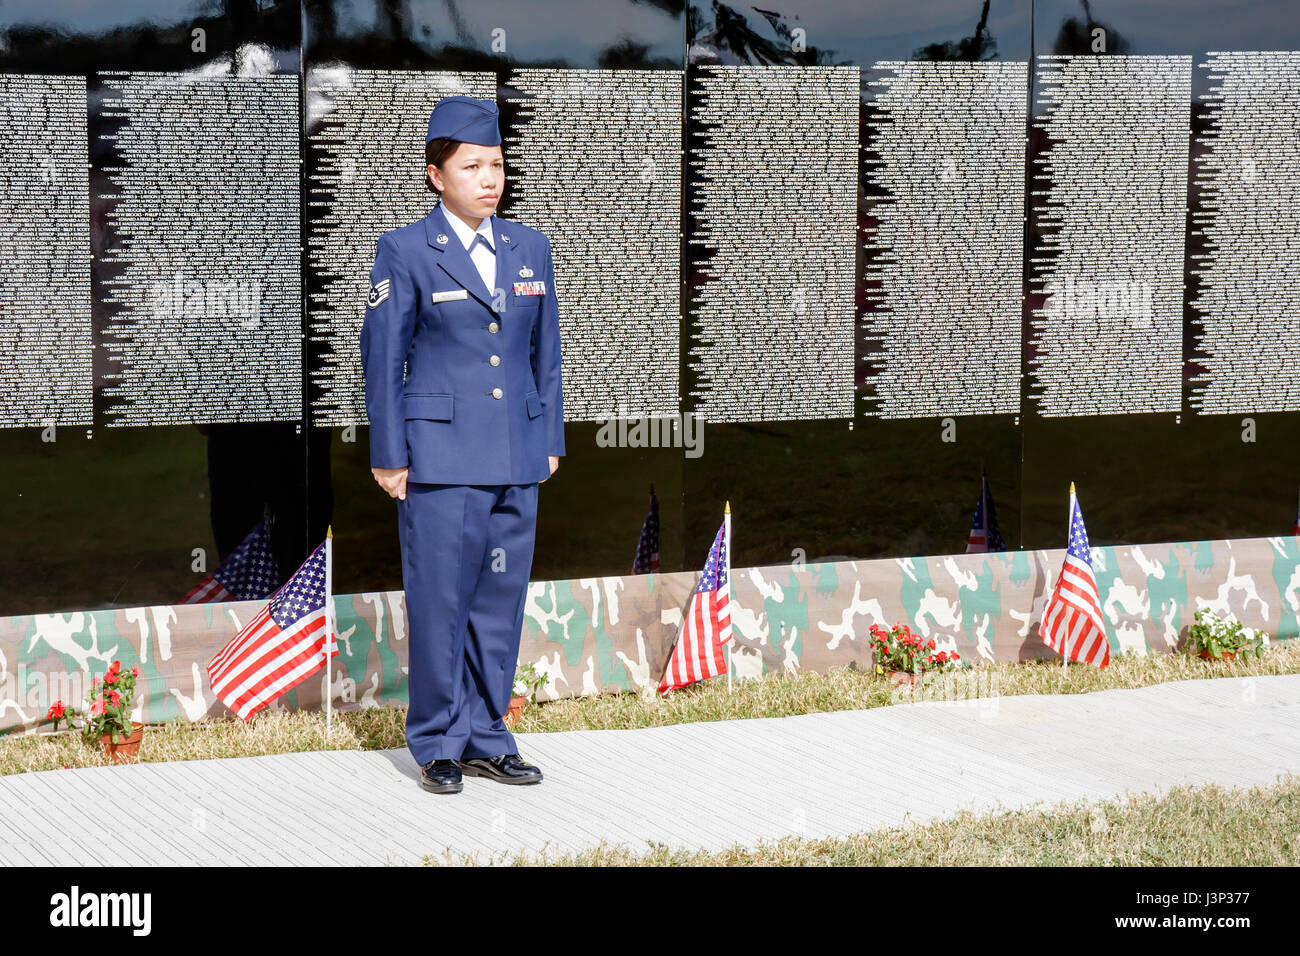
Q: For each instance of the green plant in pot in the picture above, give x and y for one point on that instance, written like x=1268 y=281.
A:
x=1222 y=639
x=904 y=656
x=108 y=718
x=527 y=682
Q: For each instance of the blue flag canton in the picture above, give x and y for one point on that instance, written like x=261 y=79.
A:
x=1078 y=534
x=302 y=594
x=647 y=547
x=993 y=536
x=715 y=568
x=250 y=573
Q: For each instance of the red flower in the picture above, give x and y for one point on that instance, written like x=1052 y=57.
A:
x=96 y=681
x=956 y=656
x=55 y=712
x=135 y=671
x=114 y=667
x=117 y=698
x=97 y=708
x=930 y=644
x=110 y=677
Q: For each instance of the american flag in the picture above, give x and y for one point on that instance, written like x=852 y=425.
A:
x=249 y=573
x=647 y=547
x=282 y=646
x=1072 y=624
x=698 y=651
x=984 y=534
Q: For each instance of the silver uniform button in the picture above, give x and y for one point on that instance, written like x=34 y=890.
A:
x=492 y=326
x=495 y=360
x=496 y=393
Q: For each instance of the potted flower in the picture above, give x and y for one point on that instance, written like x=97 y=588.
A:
x=108 y=718
x=904 y=656
x=527 y=683
x=1222 y=639
x=58 y=713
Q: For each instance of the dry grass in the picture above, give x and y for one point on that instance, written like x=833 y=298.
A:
x=777 y=695
x=1186 y=826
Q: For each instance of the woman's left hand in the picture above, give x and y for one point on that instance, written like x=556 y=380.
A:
x=555 y=463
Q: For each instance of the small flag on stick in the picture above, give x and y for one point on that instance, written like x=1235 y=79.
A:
x=984 y=534
x=698 y=652
x=1072 y=624
x=647 y=546
x=283 y=645
x=249 y=573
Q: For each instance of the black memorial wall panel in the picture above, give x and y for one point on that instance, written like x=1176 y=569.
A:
x=151 y=401
x=855 y=227
x=1162 y=339
x=591 y=126
x=828 y=262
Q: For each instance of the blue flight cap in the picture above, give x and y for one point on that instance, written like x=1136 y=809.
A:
x=465 y=119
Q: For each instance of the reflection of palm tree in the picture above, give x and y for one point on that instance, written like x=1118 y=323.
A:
x=978 y=46
x=629 y=55
x=458 y=23
x=731 y=32
x=392 y=18
x=672 y=7
x=1076 y=38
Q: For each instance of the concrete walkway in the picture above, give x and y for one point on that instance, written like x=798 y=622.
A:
x=706 y=786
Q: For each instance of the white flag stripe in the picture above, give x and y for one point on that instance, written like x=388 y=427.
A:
x=1084 y=605
x=1050 y=623
x=270 y=642
x=290 y=678
x=1077 y=623
x=706 y=624
x=307 y=662
x=297 y=634
x=1073 y=623
x=237 y=655
x=228 y=652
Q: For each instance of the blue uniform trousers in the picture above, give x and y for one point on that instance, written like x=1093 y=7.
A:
x=467 y=552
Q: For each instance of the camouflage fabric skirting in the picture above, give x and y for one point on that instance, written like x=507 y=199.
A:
x=614 y=634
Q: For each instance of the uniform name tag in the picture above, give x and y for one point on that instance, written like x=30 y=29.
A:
x=450 y=296
x=537 y=287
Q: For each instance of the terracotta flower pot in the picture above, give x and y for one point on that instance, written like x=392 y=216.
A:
x=1227 y=656
x=516 y=708
x=903 y=680
x=126 y=748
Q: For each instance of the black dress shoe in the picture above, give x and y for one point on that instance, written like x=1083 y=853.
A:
x=507 y=768
x=441 y=776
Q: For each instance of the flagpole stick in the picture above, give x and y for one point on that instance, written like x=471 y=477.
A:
x=726 y=535
x=1065 y=660
x=329 y=625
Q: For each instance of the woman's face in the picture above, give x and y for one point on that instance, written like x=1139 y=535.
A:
x=471 y=180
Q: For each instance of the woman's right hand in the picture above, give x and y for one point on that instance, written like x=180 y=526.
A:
x=392 y=480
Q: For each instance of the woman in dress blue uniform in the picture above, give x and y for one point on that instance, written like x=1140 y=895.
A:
x=460 y=348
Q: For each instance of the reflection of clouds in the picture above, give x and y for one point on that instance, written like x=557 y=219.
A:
x=542 y=29
x=1168 y=26
x=88 y=16
x=336 y=78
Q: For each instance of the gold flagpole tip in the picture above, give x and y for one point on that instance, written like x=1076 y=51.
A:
x=726 y=510
x=1071 y=487
x=329 y=531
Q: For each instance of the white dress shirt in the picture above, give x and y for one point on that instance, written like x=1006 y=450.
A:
x=483 y=256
